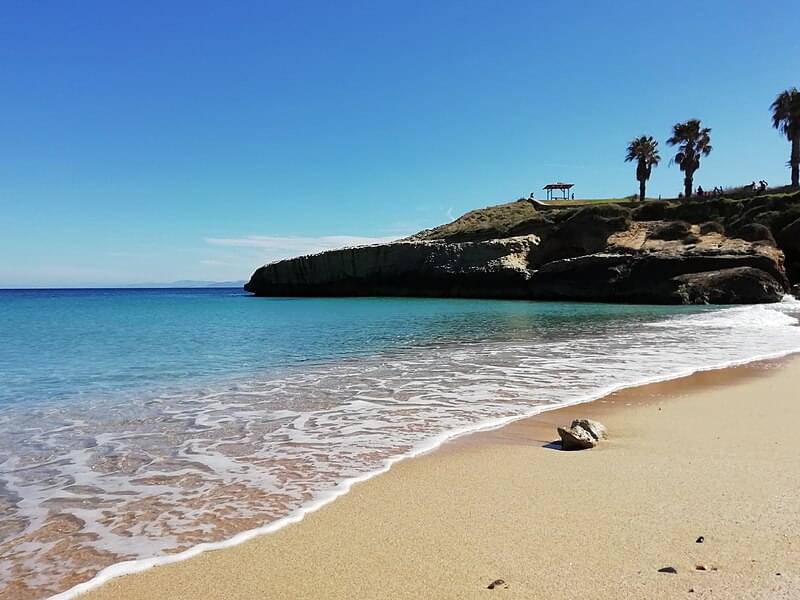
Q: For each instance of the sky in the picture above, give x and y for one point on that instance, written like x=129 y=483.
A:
x=161 y=141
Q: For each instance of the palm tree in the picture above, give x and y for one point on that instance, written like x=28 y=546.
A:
x=786 y=119
x=693 y=141
x=644 y=150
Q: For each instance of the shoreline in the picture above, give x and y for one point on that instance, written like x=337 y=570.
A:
x=508 y=429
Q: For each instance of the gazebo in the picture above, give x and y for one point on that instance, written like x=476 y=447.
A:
x=564 y=187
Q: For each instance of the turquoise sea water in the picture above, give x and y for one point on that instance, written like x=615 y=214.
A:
x=61 y=345
x=143 y=422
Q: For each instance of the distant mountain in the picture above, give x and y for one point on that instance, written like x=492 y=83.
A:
x=189 y=283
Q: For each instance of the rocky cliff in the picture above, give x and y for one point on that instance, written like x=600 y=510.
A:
x=719 y=251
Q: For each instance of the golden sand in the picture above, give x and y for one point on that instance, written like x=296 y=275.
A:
x=714 y=455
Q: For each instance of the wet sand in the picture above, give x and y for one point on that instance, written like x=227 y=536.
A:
x=713 y=455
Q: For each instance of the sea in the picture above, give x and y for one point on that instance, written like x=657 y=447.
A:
x=143 y=426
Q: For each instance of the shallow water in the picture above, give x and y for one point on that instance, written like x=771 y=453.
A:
x=138 y=423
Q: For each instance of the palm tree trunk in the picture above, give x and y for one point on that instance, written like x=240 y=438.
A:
x=642 y=185
x=687 y=186
x=794 y=161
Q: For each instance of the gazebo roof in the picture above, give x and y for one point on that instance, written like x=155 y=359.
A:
x=558 y=186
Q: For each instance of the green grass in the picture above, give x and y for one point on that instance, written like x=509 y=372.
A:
x=523 y=217
x=493 y=220
x=734 y=193
x=590 y=201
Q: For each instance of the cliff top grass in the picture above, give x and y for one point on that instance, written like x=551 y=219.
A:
x=499 y=220
x=524 y=216
x=504 y=220
x=632 y=200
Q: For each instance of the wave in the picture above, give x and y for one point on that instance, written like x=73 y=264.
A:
x=156 y=480
x=760 y=315
x=138 y=566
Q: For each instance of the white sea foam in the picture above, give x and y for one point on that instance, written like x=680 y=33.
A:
x=148 y=476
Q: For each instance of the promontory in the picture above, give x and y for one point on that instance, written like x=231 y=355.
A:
x=704 y=251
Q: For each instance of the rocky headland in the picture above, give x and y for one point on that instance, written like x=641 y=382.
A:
x=718 y=251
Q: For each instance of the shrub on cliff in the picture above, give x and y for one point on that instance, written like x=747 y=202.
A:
x=712 y=227
x=699 y=211
x=605 y=218
x=782 y=218
x=653 y=210
x=774 y=212
x=611 y=216
x=674 y=230
x=607 y=211
x=761 y=204
x=538 y=224
x=755 y=232
x=789 y=237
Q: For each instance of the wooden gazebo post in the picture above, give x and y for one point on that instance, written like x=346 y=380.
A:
x=564 y=187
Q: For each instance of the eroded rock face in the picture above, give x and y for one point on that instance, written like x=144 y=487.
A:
x=789 y=240
x=660 y=278
x=790 y=237
x=585 y=232
x=487 y=269
x=761 y=218
x=591 y=255
x=741 y=285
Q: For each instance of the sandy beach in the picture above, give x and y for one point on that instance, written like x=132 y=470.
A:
x=712 y=455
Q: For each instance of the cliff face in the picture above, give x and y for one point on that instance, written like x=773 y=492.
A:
x=601 y=253
x=488 y=269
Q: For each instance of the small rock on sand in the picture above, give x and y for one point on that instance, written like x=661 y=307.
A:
x=700 y=540
x=576 y=438
x=495 y=584
x=668 y=570
x=597 y=430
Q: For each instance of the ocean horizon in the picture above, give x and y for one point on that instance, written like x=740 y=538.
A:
x=140 y=424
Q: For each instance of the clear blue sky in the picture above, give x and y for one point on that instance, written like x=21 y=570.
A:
x=155 y=141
